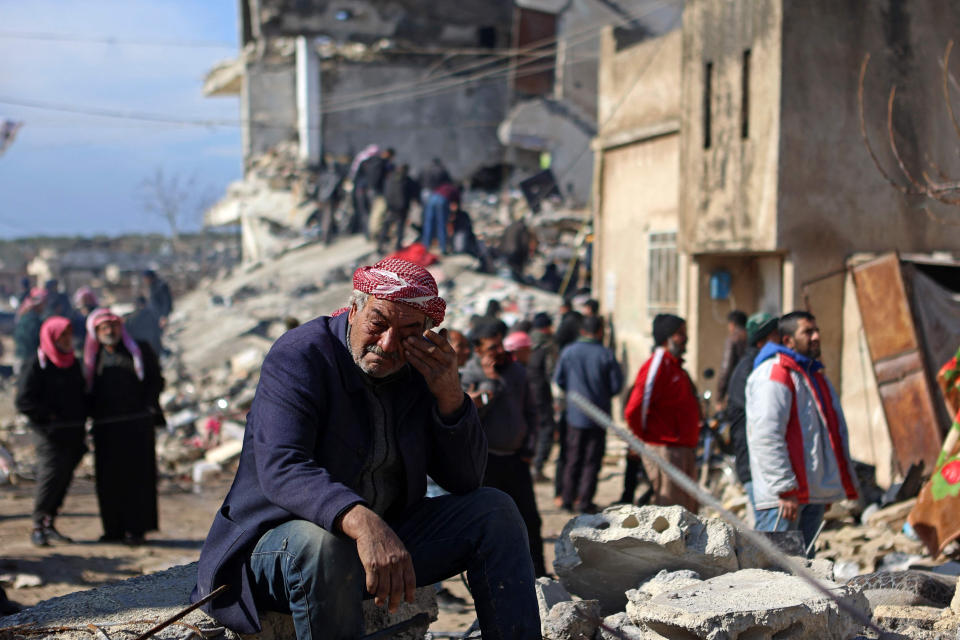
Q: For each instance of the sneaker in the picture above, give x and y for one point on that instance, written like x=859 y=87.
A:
x=540 y=478
x=55 y=536
x=39 y=537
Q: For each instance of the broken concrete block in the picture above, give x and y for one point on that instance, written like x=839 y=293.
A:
x=226 y=451
x=822 y=568
x=601 y=556
x=279 y=626
x=955 y=601
x=27 y=581
x=669 y=581
x=622 y=627
x=572 y=620
x=898 y=618
x=140 y=602
x=752 y=603
x=247 y=361
x=549 y=592
x=905 y=588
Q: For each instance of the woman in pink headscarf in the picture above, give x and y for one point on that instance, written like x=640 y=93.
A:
x=51 y=394
x=124 y=383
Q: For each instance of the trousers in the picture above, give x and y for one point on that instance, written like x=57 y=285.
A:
x=316 y=576
x=57 y=458
x=810 y=517
x=435 y=214
x=584 y=457
x=511 y=475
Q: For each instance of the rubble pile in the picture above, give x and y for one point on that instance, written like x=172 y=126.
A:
x=662 y=572
x=138 y=604
x=220 y=333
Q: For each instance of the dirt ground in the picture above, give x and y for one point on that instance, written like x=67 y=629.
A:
x=185 y=516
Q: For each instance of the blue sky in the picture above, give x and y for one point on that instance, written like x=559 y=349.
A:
x=78 y=174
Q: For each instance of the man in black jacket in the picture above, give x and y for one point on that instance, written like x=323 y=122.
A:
x=499 y=389
x=543 y=360
x=761 y=328
x=399 y=191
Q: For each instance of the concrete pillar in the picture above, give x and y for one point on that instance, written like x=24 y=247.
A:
x=770 y=273
x=309 y=116
x=789 y=286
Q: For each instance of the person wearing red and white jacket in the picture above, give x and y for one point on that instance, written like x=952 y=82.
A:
x=663 y=410
x=796 y=433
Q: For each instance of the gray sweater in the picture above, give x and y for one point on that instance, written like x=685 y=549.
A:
x=510 y=417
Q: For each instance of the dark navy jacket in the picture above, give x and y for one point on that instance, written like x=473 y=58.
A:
x=589 y=368
x=306 y=441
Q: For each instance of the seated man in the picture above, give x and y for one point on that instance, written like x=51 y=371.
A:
x=351 y=414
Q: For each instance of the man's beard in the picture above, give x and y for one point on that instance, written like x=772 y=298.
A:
x=377 y=351
x=110 y=341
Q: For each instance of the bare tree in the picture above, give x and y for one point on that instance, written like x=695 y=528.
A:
x=941 y=189
x=176 y=199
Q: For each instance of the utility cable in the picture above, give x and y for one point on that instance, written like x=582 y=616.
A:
x=532 y=49
x=63 y=37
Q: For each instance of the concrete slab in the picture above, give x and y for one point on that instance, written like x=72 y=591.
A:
x=549 y=593
x=139 y=603
x=899 y=619
x=751 y=604
x=572 y=620
x=601 y=556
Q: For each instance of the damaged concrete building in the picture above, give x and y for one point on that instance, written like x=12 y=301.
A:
x=496 y=90
x=732 y=174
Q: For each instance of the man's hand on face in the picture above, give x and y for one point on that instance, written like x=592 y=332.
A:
x=433 y=356
x=386 y=562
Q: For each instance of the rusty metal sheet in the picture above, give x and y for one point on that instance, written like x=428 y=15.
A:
x=535 y=31
x=901 y=370
x=898 y=367
x=910 y=416
x=883 y=305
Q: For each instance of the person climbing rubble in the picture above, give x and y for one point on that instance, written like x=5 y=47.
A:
x=351 y=412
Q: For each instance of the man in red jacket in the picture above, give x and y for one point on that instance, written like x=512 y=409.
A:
x=663 y=410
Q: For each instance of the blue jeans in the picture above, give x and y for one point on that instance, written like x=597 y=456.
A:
x=316 y=576
x=435 y=215
x=810 y=517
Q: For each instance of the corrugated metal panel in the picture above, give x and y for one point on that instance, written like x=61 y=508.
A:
x=898 y=363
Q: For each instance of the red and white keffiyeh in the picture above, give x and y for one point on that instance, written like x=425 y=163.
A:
x=402 y=281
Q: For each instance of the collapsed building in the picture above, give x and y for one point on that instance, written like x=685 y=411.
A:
x=732 y=174
x=496 y=90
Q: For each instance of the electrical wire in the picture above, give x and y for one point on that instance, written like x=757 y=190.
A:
x=108 y=40
x=162 y=119
x=421 y=90
x=535 y=49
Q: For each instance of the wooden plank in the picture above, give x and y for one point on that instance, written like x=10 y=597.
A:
x=898 y=367
x=898 y=363
x=884 y=306
x=912 y=421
